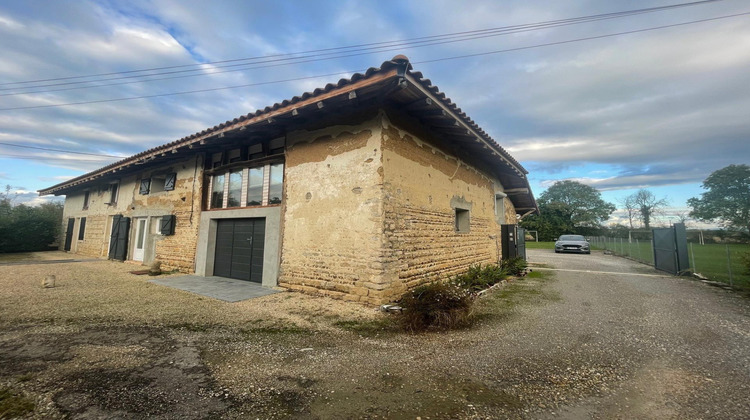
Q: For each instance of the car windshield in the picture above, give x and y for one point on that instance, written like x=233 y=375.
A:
x=572 y=238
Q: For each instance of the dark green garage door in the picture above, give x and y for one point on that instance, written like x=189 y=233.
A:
x=239 y=249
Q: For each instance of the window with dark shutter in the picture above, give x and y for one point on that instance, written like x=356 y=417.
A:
x=85 y=200
x=145 y=186
x=170 y=181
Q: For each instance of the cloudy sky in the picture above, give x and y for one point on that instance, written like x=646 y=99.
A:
x=659 y=107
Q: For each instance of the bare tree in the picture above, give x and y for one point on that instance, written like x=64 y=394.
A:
x=647 y=205
x=683 y=217
x=631 y=208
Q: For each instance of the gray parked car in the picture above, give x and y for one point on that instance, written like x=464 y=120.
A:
x=572 y=243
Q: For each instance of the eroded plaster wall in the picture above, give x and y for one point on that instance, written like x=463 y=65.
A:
x=333 y=217
x=176 y=251
x=423 y=187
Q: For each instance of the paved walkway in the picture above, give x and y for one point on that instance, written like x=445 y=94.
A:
x=229 y=290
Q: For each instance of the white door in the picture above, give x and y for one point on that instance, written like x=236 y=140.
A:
x=140 y=239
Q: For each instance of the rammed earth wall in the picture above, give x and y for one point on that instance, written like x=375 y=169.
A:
x=176 y=251
x=370 y=212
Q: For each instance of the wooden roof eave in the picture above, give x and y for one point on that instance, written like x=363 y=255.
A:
x=283 y=113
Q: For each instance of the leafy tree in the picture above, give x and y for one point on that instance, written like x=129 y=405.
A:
x=646 y=205
x=727 y=198
x=24 y=228
x=569 y=207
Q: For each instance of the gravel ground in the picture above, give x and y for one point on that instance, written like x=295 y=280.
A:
x=607 y=338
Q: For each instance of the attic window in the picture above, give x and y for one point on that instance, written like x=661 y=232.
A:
x=112 y=192
x=256 y=151
x=276 y=146
x=157 y=183
x=86 y=195
x=216 y=160
x=234 y=155
x=462 y=220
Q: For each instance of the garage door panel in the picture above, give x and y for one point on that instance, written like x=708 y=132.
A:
x=239 y=249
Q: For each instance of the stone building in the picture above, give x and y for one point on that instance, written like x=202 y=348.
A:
x=359 y=190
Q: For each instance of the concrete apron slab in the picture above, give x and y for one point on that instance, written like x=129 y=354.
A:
x=229 y=290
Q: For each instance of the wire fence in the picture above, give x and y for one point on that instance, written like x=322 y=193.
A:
x=725 y=263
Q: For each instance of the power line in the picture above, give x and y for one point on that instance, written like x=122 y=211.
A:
x=354 y=71
x=59 y=150
x=314 y=55
x=46 y=158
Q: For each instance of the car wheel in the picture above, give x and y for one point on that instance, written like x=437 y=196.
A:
x=557 y=252
x=589 y=253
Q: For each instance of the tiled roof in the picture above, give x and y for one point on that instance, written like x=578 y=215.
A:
x=398 y=62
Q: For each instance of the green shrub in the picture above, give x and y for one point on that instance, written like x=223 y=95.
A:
x=479 y=278
x=440 y=305
x=514 y=266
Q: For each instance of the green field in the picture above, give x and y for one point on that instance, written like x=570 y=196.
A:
x=710 y=260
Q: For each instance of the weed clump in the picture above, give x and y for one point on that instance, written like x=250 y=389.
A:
x=480 y=277
x=440 y=306
x=514 y=266
x=14 y=405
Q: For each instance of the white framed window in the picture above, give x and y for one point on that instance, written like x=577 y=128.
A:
x=247 y=187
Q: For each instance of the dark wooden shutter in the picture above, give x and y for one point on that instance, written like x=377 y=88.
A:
x=145 y=186
x=170 y=181
x=69 y=234
x=82 y=229
x=167 y=225
x=118 y=241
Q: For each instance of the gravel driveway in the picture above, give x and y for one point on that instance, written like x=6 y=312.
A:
x=597 y=337
x=681 y=348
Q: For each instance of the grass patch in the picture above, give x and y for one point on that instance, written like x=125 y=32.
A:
x=368 y=328
x=711 y=261
x=504 y=301
x=535 y=275
x=13 y=405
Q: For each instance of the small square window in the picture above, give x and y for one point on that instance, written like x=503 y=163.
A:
x=462 y=220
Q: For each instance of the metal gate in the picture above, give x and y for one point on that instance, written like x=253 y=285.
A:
x=670 y=249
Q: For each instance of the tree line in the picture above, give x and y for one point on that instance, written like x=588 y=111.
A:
x=572 y=207
x=28 y=228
